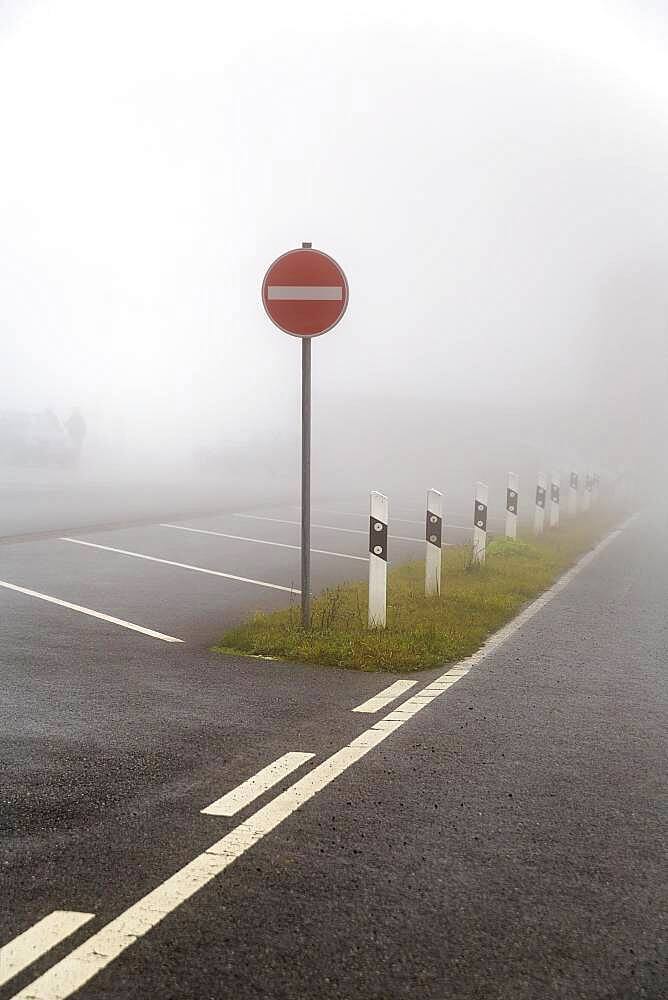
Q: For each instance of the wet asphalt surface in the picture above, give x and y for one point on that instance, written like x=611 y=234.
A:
x=508 y=841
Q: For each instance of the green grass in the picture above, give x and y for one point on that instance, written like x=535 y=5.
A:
x=421 y=632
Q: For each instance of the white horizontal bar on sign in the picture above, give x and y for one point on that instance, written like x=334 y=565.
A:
x=26 y=948
x=261 y=782
x=305 y=293
x=90 y=612
x=384 y=697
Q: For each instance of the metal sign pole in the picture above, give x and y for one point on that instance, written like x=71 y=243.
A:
x=305 y=293
x=306 y=482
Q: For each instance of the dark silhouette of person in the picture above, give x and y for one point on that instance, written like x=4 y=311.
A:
x=76 y=428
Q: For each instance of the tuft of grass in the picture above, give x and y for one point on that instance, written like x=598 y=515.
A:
x=421 y=631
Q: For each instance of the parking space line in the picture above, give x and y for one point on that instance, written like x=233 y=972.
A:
x=262 y=541
x=90 y=612
x=261 y=782
x=26 y=948
x=408 y=508
x=329 y=527
x=401 y=520
x=195 y=569
x=332 y=527
x=384 y=697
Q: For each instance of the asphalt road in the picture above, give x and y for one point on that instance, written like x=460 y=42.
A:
x=502 y=835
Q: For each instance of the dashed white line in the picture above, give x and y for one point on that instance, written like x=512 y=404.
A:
x=82 y=964
x=262 y=541
x=90 y=612
x=261 y=782
x=195 y=569
x=26 y=948
x=385 y=696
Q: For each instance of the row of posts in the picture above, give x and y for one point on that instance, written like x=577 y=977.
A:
x=434 y=529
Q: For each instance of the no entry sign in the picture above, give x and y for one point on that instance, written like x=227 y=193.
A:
x=305 y=293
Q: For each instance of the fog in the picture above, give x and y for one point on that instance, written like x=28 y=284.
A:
x=492 y=180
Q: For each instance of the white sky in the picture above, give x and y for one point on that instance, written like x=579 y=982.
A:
x=484 y=172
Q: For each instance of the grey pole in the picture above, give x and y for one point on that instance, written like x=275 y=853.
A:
x=306 y=482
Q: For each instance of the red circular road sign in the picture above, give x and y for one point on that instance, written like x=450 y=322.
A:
x=305 y=293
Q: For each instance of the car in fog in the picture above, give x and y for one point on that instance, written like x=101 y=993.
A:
x=34 y=439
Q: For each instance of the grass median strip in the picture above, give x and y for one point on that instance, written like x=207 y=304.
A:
x=422 y=632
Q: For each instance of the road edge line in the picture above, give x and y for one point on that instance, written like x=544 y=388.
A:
x=498 y=638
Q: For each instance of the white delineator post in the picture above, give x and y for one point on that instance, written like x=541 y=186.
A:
x=573 y=495
x=378 y=522
x=555 y=491
x=480 y=522
x=586 y=496
x=595 y=487
x=539 y=510
x=512 y=500
x=433 y=541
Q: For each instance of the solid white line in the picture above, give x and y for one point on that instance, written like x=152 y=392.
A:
x=384 y=697
x=261 y=782
x=400 y=520
x=169 y=562
x=408 y=508
x=532 y=609
x=89 y=611
x=27 y=947
x=262 y=541
x=305 y=293
x=82 y=964
x=329 y=527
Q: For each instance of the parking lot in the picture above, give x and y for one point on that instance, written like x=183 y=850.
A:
x=188 y=580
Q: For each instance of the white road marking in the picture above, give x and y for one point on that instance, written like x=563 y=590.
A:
x=261 y=782
x=400 y=520
x=384 y=697
x=305 y=293
x=95 y=954
x=89 y=611
x=262 y=541
x=169 y=562
x=26 y=948
x=409 y=508
x=329 y=527
x=508 y=630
